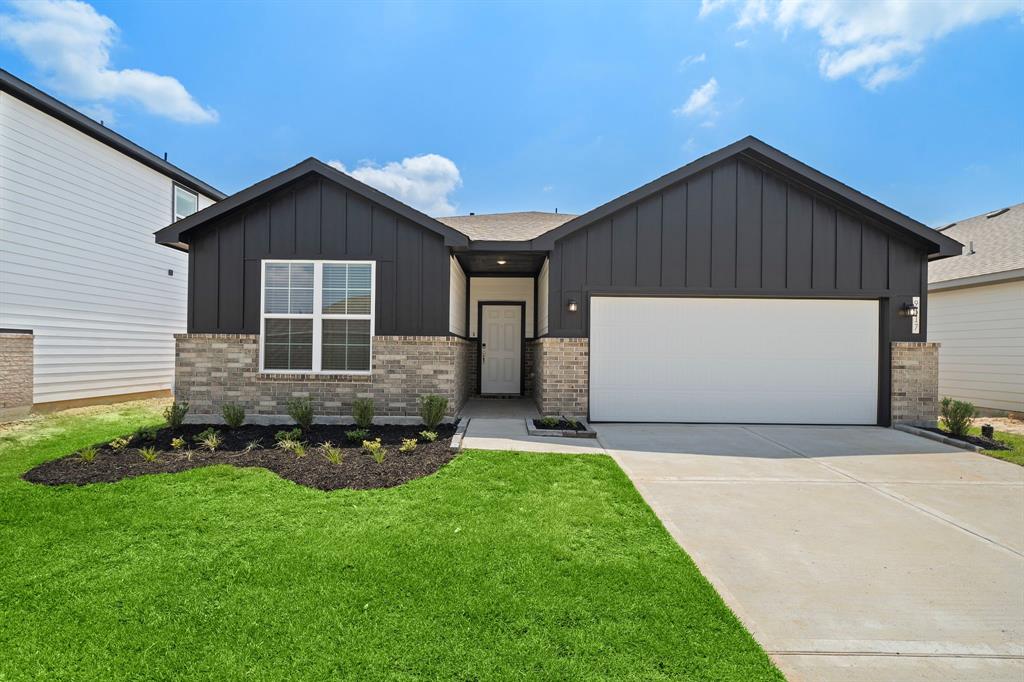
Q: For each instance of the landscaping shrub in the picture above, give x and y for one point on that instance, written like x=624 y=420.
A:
x=357 y=435
x=429 y=436
x=234 y=415
x=332 y=453
x=432 y=409
x=957 y=415
x=175 y=413
x=209 y=439
x=408 y=445
x=301 y=410
x=290 y=434
x=362 y=412
x=253 y=445
x=148 y=453
x=178 y=443
x=120 y=443
x=146 y=434
x=375 y=450
x=87 y=454
x=548 y=422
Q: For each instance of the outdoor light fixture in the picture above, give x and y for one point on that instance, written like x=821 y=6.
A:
x=909 y=310
x=502 y=261
x=572 y=305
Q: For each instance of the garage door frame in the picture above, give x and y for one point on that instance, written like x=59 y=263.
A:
x=883 y=410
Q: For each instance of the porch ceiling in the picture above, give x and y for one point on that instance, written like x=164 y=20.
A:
x=516 y=262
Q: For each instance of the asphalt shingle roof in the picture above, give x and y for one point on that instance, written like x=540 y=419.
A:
x=506 y=227
x=998 y=246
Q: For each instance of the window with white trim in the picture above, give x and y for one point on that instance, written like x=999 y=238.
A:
x=185 y=203
x=317 y=316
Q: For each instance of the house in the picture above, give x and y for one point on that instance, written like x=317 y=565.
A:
x=977 y=312
x=88 y=304
x=742 y=287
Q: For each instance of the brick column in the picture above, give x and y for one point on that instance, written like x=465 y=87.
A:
x=16 y=373
x=560 y=376
x=915 y=383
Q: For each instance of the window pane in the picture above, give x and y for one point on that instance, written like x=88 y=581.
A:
x=288 y=344
x=185 y=202
x=277 y=275
x=346 y=345
x=359 y=302
x=334 y=302
x=335 y=276
x=275 y=301
x=359 y=277
x=302 y=275
x=301 y=301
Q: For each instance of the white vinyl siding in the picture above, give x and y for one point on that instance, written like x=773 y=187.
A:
x=504 y=289
x=981 y=332
x=78 y=261
x=543 y=282
x=457 y=299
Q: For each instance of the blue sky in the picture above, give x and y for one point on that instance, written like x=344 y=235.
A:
x=516 y=106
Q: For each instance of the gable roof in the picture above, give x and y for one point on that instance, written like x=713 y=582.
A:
x=62 y=112
x=755 y=151
x=998 y=246
x=521 y=226
x=172 y=234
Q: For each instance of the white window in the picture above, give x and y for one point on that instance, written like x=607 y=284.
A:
x=317 y=316
x=186 y=202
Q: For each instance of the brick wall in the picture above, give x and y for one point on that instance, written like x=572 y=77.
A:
x=915 y=383
x=16 y=359
x=560 y=384
x=213 y=369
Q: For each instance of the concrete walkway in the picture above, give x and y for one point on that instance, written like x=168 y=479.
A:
x=502 y=433
x=851 y=553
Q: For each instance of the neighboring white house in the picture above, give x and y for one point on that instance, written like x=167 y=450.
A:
x=976 y=311
x=78 y=266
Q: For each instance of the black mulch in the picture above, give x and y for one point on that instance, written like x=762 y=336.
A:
x=980 y=441
x=562 y=425
x=358 y=470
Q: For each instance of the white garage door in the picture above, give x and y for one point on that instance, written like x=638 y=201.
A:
x=738 y=360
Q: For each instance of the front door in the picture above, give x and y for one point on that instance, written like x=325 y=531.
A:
x=501 y=347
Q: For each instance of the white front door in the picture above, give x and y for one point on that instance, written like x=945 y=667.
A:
x=501 y=345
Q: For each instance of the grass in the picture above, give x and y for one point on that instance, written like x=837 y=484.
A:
x=1015 y=455
x=500 y=566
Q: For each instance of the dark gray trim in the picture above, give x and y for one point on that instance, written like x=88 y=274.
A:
x=753 y=149
x=479 y=343
x=173 y=235
x=4 y=330
x=62 y=112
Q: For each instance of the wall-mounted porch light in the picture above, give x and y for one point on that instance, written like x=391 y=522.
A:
x=572 y=305
x=502 y=261
x=909 y=310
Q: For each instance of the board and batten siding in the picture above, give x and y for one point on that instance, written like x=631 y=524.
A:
x=542 y=299
x=317 y=219
x=457 y=299
x=981 y=332
x=78 y=264
x=736 y=229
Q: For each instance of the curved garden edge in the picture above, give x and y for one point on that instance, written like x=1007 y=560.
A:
x=255 y=446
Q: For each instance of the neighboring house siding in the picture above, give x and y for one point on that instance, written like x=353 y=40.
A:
x=78 y=264
x=542 y=299
x=742 y=230
x=315 y=218
x=981 y=335
x=504 y=289
x=457 y=299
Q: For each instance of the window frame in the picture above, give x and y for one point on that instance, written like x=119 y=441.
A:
x=175 y=186
x=317 y=316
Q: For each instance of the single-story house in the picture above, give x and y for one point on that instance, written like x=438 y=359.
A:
x=89 y=305
x=977 y=312
x=742 y=287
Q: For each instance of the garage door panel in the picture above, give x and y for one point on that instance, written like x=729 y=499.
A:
x=734 y=360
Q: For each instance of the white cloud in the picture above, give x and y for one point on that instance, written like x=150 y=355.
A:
x=692 y=59
x=424 y=182
x=700 y=101
x=70 y=42
x=877 y=42
x=741 y=43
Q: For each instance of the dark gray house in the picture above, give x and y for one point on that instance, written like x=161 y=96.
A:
x=742 y=287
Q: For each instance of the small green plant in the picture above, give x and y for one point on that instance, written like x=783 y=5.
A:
x=332 y=452
x=408 y=445
x=175 y=413
x=429 y=436
x=87 y=454
x=148 y=453
x=146 y=434
x=120 y=443
x=253 y=445
x=548 y=422
x=432 y=410
x=362 y=412
x=573 y=423
x=296 y=447
x=234 y=415
x=290 y=434
x=957 y=415
x=301 y=411
x=357 y=435
x=375 y=450
x=210 y=439
x=178 y=443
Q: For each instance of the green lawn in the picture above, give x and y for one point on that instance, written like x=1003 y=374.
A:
x=1016 y=455
x=500 y=566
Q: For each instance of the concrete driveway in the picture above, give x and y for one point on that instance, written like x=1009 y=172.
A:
x=851 y=553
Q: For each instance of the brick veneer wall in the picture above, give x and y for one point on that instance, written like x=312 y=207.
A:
x=915 y=383
x=213 y=369
x=16 y=357
x=560 y=383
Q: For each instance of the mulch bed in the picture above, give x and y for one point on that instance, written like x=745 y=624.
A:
x=980 y=441
x=358 y=470
x=562 y=425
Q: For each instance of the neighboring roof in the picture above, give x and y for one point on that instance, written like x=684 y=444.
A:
x=998 y=246
x=62 y=112
x=513 y=227
x=758 y=152
x=172 y=234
